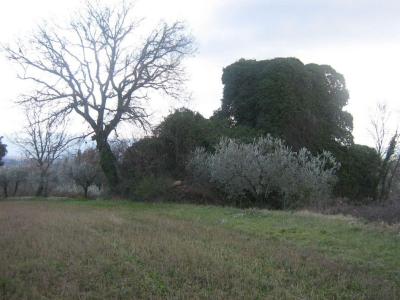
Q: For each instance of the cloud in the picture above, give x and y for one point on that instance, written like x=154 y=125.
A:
x=245 y=25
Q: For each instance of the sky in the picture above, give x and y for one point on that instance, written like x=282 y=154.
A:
x=359 y=38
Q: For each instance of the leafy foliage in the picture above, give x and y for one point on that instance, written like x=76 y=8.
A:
x=179 y=134
x=266 y=172
x=303 y=104
x=359 y=172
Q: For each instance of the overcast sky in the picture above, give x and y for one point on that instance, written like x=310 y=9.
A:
x=360 y=39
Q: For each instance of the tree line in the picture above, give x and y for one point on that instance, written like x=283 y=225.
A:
x=277 y=114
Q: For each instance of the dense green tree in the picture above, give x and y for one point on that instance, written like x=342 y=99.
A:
x=359 y=172
x=3 y=151
x=303 y=104
x=180 y=133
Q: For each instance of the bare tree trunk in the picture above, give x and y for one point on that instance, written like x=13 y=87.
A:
x=42 y=188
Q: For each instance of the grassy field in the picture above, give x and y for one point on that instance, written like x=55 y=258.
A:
x=68 y=249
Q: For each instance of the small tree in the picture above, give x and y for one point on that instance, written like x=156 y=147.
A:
x=18 y=174
x=379 y=129
x=85 y=170
x=386 y=143
x=10 y=179
x=44 y=140
x=388 y=168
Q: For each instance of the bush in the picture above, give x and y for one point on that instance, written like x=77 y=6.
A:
x=143 y=158
x=359 y=173
x=266 y=172
x=152 y=188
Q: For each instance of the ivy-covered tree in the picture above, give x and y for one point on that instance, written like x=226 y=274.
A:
x=303 y=104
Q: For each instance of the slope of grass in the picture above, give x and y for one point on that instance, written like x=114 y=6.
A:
x=106 y=249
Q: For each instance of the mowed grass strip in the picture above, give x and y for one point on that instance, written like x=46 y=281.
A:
x=92 y=250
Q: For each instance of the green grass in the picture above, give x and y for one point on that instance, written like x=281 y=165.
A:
x=119 y=249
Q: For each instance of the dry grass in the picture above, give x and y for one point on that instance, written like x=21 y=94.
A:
x=54 y=250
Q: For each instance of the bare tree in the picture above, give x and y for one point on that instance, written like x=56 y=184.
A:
x=44 y=140
x=386 y=144
x=379 y=129
x=92 y=68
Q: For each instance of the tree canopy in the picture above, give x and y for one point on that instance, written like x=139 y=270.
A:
x=180 y=133
x=303 y=104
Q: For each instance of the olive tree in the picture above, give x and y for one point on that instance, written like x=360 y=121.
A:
x=96 y=69
x=266 y=172
x=85 y=170
x=11 y=178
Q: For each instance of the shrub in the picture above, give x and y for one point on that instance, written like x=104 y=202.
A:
x=266 y=172
x=388 y=212
x=152 y=188
x=359 y=173
x=143 y=158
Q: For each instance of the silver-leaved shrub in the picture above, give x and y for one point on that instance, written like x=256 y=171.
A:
x=266 y=172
